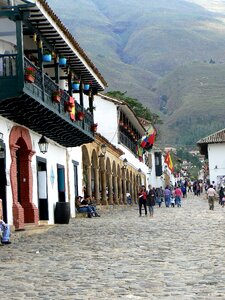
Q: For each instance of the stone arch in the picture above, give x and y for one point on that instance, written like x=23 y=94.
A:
x=24 y=210
x=86 y=164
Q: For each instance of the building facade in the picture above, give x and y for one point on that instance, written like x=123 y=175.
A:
x=47 y=86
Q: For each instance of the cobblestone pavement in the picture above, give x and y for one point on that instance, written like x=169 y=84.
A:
x=178 y=254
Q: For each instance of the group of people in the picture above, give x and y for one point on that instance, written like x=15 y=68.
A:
x=149 y=198
x=86 y=205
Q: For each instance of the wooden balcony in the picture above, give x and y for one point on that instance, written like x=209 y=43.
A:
x=31 y=104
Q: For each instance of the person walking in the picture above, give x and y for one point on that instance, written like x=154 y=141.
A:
x=178 y=195
x=211 y=193
x=159 y=196
x=151 y=196
x=221 y=195
x=142 y=198
x=167 y=195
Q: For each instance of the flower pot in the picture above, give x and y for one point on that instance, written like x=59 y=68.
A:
x=29 y=78
x=46 y=57
x=62 y=61
x=94 y=127
x=80 y=116
x=75 y=86
x=56 y=98
x=86 y=87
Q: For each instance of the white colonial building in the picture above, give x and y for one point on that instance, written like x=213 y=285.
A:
x=213 y=147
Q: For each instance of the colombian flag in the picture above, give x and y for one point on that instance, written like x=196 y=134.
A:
x=148 y=140
x=168 y=161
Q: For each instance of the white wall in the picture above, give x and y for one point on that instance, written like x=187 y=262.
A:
x=105 y=115
x=216 y=160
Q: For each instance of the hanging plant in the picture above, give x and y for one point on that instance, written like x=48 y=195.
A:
x=56 y=96
x=62 y=60
x=76 y=85
x=94 y=127
x=80 y=115
x=47 y=56
x=30 y=74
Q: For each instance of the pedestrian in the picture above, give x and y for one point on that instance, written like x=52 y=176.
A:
x=4 y=228
x=221 y=195
x=159 y=196
x=5 y=232
x=178 y=195
x=167 y=195
x=129 y=199
x=211 y=193
x=142 y=198
x=184 y=190
x=151 y=196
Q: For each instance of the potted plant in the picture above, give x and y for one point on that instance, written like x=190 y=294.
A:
x=30 y=74
x=56 y=96
x=76 y=85
x=62 y=60
x=86 y=86
x=80 y=115
x=47 y=56
x=94 y=127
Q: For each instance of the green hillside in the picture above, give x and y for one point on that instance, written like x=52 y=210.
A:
x=141 y=46
x=193 y=103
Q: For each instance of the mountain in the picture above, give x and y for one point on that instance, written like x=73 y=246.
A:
x=155 y=50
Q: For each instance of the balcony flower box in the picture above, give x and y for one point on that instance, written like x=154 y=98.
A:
x=47 y=57
x=94 y=127
x=29 y=74
x=56 y=96
x=62 y=61
x=80 y=115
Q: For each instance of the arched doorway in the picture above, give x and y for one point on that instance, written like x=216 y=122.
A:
x=24 y=210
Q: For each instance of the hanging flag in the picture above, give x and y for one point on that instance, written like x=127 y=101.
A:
x=148 y=139
x=139 y=151
x=168 y=161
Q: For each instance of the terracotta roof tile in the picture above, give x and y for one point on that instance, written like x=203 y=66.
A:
x=217 y=137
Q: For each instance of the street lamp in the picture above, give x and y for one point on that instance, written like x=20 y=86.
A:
x=103 y=150
x=125 y=161
x=43 y=145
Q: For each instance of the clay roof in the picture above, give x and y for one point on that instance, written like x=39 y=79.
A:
x=217 y=137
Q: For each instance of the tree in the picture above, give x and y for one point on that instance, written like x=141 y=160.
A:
x=140 y=110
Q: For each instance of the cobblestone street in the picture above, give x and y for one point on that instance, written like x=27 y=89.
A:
x=178 y=254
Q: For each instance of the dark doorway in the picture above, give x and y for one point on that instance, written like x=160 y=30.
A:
x=42 y=189
x=3 y=180
x=61 y=183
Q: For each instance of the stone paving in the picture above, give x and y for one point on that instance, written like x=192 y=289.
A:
x=178 y=254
